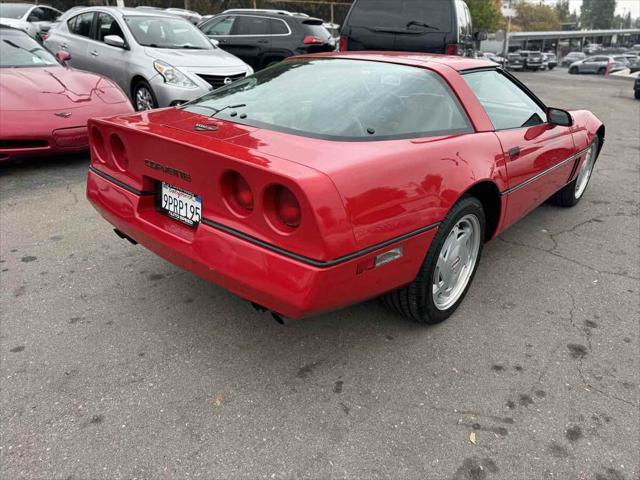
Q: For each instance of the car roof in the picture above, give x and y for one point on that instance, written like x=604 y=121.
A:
x=126 y=11
x=413 y=59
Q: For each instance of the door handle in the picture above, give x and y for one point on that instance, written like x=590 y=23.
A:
x=94 y=53
x=263 y=41
x=514 y=153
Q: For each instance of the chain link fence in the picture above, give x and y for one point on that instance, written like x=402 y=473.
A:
x=334 y=12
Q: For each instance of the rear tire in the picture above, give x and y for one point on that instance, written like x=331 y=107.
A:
x=636 y=93
x=143 y=96
x=602 y=71
x=573 y=192
x=448 y=269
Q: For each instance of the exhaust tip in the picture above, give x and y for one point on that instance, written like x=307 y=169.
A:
x=124 y=236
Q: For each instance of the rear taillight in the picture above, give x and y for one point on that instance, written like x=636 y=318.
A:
x=311 y=40
x=452 y=49
x=287 y=207
x=343 y=46
x=282 y=209
x=237 y=193
x=97 y=142
x=119 y=153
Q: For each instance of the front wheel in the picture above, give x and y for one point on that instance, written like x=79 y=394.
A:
x=143 y=97
x=571 y=194
x=637 y=94
x=448 y=269
x=573 y=70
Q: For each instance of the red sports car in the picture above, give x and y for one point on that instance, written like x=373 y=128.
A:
x=327 y=180
x=44 y=106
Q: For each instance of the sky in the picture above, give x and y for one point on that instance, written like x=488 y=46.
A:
x=623 y=6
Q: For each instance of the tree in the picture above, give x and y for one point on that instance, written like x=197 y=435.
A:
x=598 y=14
x=536 y=17
x=562 y=10
x=485 y=14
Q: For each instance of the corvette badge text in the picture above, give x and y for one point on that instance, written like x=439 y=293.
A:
x=168 y=170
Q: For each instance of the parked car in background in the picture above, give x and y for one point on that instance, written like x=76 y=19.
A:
x=265 y=37
x=634 y=66
x=157 y=58
x=321 y=187
x=492 y=57
x=571 y=57
x=622 y=59
x=44 y=106
x=28 y=17
x=532 y=60
x=600 y=64
x=191 y=16
x=515 y=61
x=434 y=26
x=549 y=61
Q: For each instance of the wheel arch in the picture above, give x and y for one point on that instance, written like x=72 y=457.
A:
x=488 y=193
x=134 y=81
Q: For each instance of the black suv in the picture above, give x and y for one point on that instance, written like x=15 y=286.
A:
x=265 y=37
x=433 y=26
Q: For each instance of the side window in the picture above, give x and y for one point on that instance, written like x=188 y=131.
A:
x=36 y=15
x=219 y=26
x=507 y=105
x=81 y=24
x=107 y=25
x=50 y=15
x=248 y=25
x=278 y=27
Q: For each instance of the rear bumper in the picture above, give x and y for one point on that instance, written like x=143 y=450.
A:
x=288 y=286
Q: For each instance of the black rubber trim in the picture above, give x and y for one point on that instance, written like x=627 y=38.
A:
x=311 y=261
x=274 y=248
x=544 y=172
x=121 y=184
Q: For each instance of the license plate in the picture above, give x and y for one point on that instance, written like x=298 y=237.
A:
x=181 y=205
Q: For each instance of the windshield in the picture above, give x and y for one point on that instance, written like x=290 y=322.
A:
x=340 y=99
x=409 y=15
x=165 y=32
x=19 y=50
x=13 y=10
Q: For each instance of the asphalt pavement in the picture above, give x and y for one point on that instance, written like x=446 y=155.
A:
x=116 y=364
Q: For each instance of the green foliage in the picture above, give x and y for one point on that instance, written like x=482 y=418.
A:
x=562 y=10
x=485 y=14
x=597 y=14
x=536 y=17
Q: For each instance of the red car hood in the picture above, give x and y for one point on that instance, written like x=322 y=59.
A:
x=51 y=88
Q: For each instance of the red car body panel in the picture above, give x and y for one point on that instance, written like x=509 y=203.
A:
x=44 y=110
x=391 y=193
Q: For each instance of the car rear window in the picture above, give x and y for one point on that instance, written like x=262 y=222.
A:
x=340 y=99
x=399 y=14
x=316 y=30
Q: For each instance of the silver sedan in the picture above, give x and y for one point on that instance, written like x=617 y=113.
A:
x=159 y=60
x=600 y=64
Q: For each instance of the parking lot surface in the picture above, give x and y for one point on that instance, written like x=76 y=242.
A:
x=116 y=364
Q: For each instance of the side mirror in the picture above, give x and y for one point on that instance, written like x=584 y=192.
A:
x=479 y=36
x=214 y=42
x=556 y=116
x=63 y=56
x=114 y=41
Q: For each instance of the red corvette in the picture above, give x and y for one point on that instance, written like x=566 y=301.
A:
x=327 y=180
x=44 y=106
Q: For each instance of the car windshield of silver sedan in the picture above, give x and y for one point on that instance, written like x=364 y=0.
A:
x=14 y=10
x=163 y=32
x=19 y=50
x=340 y=99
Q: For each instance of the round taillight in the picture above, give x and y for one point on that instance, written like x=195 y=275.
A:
x=97 y=142
x=237 y=193
x=287 y=207
x=119 y=153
